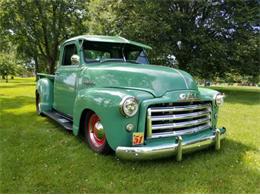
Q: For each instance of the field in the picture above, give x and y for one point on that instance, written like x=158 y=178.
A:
x=38 y=156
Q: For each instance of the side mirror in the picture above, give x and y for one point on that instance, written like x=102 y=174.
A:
x=74 y=59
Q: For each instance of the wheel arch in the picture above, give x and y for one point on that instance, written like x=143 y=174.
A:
x=82 y=119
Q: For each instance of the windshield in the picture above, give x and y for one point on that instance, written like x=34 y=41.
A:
x=116 y=52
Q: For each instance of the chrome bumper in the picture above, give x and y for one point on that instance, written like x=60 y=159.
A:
x=165 y=150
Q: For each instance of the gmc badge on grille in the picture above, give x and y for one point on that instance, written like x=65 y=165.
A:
x=188 y=96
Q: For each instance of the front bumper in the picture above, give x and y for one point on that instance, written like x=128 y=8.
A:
x=166 y=150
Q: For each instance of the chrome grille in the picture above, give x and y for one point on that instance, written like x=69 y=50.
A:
x=174 y=119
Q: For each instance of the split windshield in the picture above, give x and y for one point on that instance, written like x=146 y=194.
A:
x=113 y=52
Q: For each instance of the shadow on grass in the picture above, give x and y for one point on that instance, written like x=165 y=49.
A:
x=19 y=80
x=17 y=85
x=15 y=102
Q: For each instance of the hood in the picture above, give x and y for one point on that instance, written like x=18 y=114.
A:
x=154 y=79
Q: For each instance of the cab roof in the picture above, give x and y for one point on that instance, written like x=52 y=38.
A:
x=108 y=39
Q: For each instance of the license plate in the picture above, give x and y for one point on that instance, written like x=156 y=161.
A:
x=138 y=138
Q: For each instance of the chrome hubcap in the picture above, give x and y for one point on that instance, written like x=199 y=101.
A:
x=99 y=130
x=96 y=131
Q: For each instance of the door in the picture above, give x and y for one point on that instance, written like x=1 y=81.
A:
x=65 y=84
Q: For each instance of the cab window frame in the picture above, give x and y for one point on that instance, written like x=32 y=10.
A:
x=64 y=53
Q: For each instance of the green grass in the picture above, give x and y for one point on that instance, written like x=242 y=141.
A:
x=38 y=156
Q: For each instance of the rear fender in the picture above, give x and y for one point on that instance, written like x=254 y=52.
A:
x=44 y=89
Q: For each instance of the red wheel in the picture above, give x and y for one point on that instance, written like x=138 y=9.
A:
x=95 y=134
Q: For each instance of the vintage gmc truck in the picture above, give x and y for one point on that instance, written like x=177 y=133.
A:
x=105 y=89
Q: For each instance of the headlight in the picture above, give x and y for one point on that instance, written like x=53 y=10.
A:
x=219 y=99
x=129 y=106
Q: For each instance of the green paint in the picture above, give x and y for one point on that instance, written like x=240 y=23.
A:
x=100 y=87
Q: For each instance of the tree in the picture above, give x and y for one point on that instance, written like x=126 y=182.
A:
x=208 y=38
x=7 y=66
x=38 y=27
x=101 y=17
x=205 y=38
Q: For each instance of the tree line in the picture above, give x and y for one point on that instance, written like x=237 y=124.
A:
x=209 y=39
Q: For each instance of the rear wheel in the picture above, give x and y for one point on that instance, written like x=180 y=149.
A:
x=95 y=134
x=37 y=101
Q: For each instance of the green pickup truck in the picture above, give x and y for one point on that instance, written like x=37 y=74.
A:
x=105 y=89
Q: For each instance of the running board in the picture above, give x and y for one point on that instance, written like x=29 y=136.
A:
x=59 y=118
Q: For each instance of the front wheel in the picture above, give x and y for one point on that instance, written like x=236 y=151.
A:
x=95 y=134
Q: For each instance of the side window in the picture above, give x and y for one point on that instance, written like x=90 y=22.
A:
x=69 y=50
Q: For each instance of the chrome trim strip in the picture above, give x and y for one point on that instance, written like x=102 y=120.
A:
x=183 y=78
x=149 y=123
x=166 y=150
x=180 y=116
x=180 y=124
x=181 y=108
x=181 y=132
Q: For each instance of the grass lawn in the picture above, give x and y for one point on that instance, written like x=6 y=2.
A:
x=38 y=156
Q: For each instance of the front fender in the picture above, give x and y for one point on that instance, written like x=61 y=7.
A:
x=105 y=102
x=208 y=94
x=44 y=88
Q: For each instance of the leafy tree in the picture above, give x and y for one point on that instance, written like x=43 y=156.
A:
x=7 y=66
x=101 y=17
x=38 y=27
x=208 y=38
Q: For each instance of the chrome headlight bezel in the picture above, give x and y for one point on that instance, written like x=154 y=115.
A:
x=129 y=106
x=219 y=99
